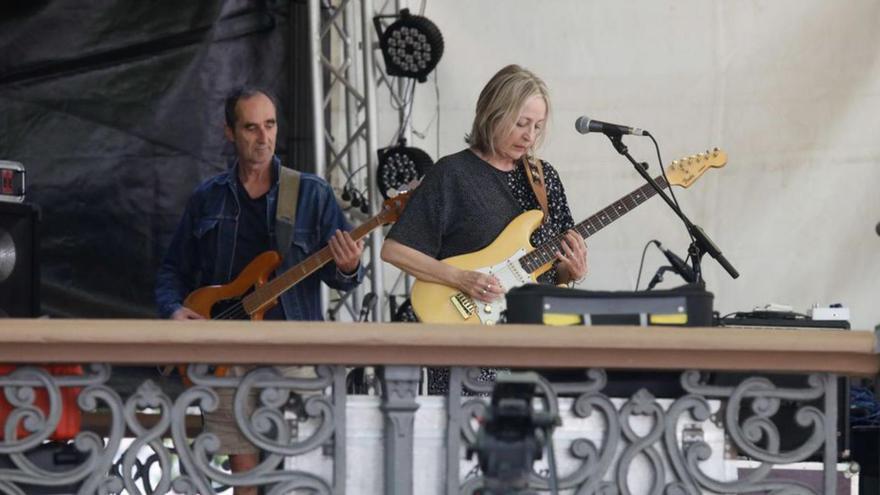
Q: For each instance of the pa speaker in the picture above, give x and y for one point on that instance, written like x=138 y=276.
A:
x=19 y=264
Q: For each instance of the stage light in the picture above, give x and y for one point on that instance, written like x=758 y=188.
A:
x=399 y=166
x=411 y=46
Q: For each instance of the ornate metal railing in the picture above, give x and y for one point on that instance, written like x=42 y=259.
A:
x=316 y=438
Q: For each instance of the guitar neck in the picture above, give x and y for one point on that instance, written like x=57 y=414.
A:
x=547 y=253
x=269 y=291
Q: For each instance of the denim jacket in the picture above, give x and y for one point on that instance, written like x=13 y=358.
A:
x=202 y=249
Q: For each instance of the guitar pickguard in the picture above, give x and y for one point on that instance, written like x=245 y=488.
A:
x=510 y=274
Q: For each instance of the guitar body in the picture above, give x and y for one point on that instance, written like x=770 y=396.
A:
x=255 y=274
x=433 y=303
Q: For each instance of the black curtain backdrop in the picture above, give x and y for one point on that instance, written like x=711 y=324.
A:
x=115 y=109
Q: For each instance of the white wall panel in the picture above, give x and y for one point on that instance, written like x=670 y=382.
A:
x=790 y=89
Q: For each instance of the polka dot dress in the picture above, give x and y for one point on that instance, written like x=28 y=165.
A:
x=560 y=216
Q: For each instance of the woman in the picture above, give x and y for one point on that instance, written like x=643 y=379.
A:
x=467 y=198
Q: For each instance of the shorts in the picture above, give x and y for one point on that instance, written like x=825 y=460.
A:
x=221 y=421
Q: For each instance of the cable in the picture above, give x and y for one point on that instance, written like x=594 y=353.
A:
x=408 y=103
x=366 y=306
x=353 y=195
x=553 y=479
x=642 y=262
x=671 y=189
x=351 y=176
x=436 y=117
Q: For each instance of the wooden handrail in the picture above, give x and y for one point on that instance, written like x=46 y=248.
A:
x=100 y=423
x=163 y=341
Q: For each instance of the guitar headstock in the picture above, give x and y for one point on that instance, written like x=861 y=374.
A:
x=393 y=207
x=685 y=171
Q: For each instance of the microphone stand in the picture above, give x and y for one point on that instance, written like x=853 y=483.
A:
x=701 y=243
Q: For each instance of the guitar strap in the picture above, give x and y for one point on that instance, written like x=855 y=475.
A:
x=535 y=176
x=285 y=212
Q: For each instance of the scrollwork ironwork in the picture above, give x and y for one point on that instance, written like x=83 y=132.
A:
x=268 y=426
x=294 y=416
x=19 y=388
x=669 y=464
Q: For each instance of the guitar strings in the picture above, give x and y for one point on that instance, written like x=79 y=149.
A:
x=234 y=312
x=547 y=252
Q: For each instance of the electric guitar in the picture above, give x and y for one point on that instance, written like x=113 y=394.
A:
x=512 y=259
x=233 y=301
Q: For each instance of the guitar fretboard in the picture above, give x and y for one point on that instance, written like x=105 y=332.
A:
x=547 y=253
x=267 y=292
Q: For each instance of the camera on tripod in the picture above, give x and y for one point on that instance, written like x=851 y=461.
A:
x=513 y=434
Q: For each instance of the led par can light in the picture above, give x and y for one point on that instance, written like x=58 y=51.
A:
x=399 y=166
x=411 y=46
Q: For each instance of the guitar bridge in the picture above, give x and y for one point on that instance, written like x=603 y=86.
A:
x=464 y=304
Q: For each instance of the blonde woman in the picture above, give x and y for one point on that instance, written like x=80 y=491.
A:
x=467 y=198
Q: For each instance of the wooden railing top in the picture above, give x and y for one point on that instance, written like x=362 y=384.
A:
x=161 y=341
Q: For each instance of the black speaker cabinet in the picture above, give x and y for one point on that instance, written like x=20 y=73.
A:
x=19 y=264
x=792 y=435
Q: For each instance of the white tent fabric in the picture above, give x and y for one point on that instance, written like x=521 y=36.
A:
x=789 y=89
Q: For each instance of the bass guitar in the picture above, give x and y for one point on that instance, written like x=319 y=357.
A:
x=512 y=259
x=237 y=301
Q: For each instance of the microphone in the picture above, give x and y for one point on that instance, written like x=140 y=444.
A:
x=678 y=264
x=585 y=124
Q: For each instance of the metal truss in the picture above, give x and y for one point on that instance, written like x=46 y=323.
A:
x=347 y=71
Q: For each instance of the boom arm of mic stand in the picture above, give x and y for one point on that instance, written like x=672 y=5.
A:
x=701 y=241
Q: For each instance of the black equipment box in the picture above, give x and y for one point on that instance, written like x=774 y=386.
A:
x=774 y=319
x=688 y=305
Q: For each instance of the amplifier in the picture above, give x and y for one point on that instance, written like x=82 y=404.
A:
x=11 y=181
x=689 y=305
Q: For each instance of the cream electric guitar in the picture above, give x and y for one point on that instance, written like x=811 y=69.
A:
x=513 y=260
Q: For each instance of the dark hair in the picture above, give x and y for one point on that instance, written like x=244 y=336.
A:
x=243 y=93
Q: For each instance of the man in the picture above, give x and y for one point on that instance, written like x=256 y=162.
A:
x=230 y=219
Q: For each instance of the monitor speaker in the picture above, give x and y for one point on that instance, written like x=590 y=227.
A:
x=19 y=264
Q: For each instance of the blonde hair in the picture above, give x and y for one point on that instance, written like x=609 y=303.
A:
x=500 y=104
